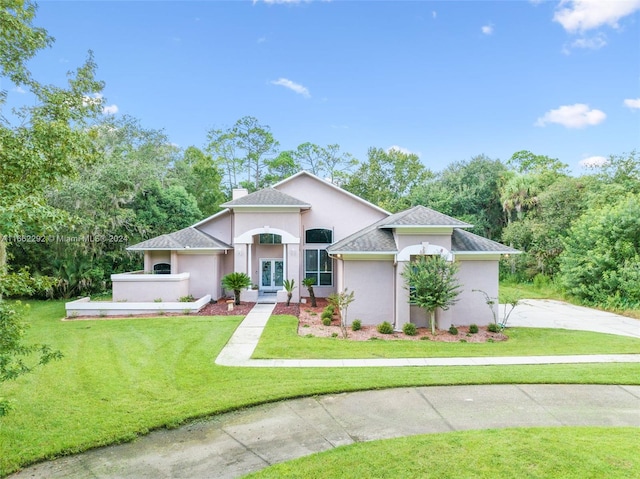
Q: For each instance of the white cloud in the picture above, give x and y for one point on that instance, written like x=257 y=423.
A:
x=578 y=115
x=401 y=149
x=434 y=14
x=633 y=103
x=592 y=43
x=20 y=90
x=487 y=29
x=593 y=162
x=110 y=110
x=262 y=39
x=582 y=15
x=296 y=87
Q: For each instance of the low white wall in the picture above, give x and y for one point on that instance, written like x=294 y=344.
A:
x=141 y=287
x=86 y=307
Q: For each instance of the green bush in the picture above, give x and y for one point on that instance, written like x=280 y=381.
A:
x=186 y=299
x=453 y=330
x=409 y=329
x=328 y=310
x=493 y=327
x=473 y=329
x=327 y=314
x=385 y=328
x=356 y=325
x=326 y=321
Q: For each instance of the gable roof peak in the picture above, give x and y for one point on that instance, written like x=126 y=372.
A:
x=266 y=197
x=422 y=216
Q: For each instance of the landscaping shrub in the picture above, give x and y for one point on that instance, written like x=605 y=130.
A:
x=328 y=310
x=326 y=321
x=186 y=299
x=410 y=329
x=385 y=328
x=326 y=315
x=453 y=330
x=473 y=329
x=356 y=325
x=493 y=327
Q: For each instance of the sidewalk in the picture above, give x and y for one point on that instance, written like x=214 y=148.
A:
x=234 y=444
x=237 y=352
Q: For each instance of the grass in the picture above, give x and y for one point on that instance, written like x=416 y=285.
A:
x=281 y=340
x=569 y=453
x=123 y=378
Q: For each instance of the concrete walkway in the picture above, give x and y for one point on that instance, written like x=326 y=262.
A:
x=531 y=313
x=234 y=444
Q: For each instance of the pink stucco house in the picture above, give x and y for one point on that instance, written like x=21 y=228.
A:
x=307 y=227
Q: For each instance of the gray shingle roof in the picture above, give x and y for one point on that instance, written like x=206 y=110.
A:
x=465 y=242
x=187 y=238
x=371 y=239
x=422 y=216
x=267 y=197
x=378 y=237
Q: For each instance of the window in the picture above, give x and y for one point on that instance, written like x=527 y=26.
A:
x=318 y=265
x=318 y=235
x=270 y=238
x=162 y=268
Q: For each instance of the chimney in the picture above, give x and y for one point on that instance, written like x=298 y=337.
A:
x=239 y=193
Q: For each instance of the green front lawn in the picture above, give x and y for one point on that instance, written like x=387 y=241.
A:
x=281 y=340
x=122 y=378
x=567 y=453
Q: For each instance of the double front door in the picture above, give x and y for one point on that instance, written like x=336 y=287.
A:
x=272 y=274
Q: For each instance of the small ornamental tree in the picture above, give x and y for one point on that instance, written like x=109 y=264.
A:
x=432 y=283
x=289 y=285
x=341 y=302
x=236 y=282
x=308 y=283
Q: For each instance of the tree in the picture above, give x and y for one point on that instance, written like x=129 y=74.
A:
x=467 y=190
x=46 y=142
x=243 y=151
x=308 y=283
x=289 y=285
x=325 y=162
x=387 y=178
x=123 y=197
x=601 y=260
x=432 y=283
x=341 y=302
x=236 y=282
x=201 y=178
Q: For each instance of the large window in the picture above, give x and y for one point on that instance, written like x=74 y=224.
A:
x=318 y=265
x=270 y=238
x=318 y=235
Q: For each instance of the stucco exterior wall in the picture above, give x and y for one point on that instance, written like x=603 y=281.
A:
x=219 y=227
x=138 y=287
x=471 y=307
x=372 y=281
x=408 y=240
x=286 y=221
x=204 y=273
x=331 y=208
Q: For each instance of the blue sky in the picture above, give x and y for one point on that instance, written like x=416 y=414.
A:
x=447 y=80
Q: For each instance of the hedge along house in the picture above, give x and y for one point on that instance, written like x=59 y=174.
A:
x=306 y=227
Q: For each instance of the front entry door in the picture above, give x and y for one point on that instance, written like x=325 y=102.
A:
x=271 y=274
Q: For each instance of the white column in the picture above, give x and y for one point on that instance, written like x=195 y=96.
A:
x=285 y=251
x=249 y=264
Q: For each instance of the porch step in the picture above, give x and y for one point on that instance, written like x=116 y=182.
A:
x=267 y=298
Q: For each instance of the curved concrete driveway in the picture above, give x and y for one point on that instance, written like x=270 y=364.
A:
x=235 y=444
x=548 y=313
